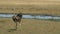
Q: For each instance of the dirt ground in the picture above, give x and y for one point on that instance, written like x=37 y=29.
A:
x=29 y=26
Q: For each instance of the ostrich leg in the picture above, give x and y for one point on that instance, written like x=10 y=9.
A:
x=16 y=25
x=20 y=26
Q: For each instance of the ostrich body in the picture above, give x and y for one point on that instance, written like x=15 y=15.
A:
x=17 y=19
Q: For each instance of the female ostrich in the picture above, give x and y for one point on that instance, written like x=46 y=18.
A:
x=17 y=19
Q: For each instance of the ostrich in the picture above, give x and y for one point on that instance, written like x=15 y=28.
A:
x=17 y=19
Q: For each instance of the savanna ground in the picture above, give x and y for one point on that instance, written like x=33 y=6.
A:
x=30 y=26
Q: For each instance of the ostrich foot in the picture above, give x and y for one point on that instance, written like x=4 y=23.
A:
x=10 y=30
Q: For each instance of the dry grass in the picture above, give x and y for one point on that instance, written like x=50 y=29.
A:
x=30 y=26
x=38 y=9
x=51 y=7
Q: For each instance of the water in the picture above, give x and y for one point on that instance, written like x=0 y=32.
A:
x=30 y=16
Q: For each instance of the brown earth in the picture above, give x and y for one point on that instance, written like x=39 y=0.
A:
x=30 y=26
